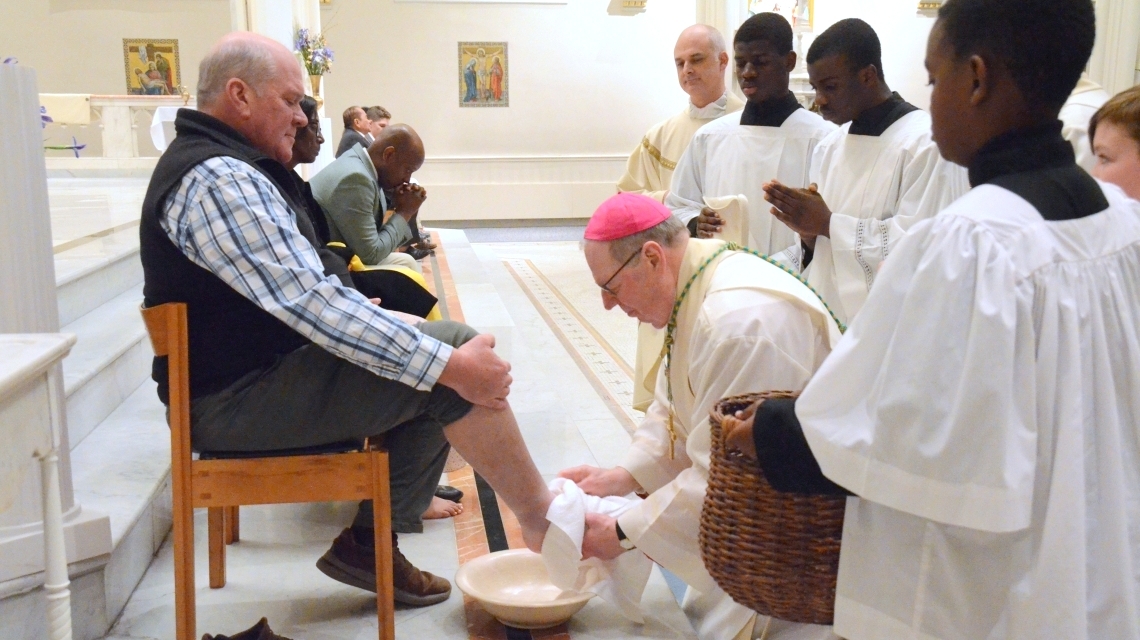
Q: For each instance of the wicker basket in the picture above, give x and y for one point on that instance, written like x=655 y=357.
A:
x=775 y=553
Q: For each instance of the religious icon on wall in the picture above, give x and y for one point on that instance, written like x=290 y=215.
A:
x=483 y=78
x=153 y=67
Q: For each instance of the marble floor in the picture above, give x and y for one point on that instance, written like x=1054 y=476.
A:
x=572 y=365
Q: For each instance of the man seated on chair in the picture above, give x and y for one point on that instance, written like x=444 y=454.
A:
x=283 y=356
x=737 y=323
x=356 y=190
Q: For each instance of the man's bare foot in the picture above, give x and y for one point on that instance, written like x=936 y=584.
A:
x=440 y=509
x=534 y=535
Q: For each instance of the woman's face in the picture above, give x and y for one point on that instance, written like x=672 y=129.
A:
x=308 y=143
x=1117 y=158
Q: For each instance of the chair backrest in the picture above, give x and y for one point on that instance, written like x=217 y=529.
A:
x=156 y=320
x=169 y=335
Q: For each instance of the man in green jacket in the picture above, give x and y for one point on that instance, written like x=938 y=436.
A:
x=351 y=190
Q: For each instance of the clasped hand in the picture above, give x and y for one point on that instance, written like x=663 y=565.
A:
x=408 y=199
x=802 y=210
x=709 y=223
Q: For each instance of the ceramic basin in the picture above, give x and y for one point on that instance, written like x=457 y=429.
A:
x=514 y=587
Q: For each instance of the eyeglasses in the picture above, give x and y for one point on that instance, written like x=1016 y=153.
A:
x=606 y=286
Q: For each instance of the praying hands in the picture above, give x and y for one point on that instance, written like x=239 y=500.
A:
x=803 y=210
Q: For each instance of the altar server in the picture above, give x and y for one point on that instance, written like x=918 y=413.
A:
x=985 y=404
x=773 y=137
x=736 y=321
x=701 y=59
x=877 y=175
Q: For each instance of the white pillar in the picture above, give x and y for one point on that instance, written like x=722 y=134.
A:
x=1115 y=57
x=119 y=139
x=28 y=305
x=239 y=15
x=273 y=18
x=726 y=16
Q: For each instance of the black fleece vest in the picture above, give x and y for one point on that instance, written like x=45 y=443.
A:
x=230 y=336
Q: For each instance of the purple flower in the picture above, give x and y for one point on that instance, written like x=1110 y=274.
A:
x=302 y=39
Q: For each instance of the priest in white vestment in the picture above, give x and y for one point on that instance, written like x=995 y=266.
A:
x=985 y=404
x=1079 y=109
x=701 y=59
x=877 y=175
x=772 y=138
x=737 y=321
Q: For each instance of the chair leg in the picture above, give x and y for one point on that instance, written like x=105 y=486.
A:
x=183 y=533
x=382 y=523
x=233 y=526
x=216 y=526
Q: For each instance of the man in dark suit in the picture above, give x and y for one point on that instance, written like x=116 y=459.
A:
x=357 y=130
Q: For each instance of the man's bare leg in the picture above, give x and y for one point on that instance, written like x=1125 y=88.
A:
x=490 y=440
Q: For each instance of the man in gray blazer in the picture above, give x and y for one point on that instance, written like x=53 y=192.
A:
x=357 y=130
x=351 y=190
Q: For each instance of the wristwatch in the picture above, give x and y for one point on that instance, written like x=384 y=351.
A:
x=623 y=540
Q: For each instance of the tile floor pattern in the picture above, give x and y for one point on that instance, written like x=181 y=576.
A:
x=560 y=399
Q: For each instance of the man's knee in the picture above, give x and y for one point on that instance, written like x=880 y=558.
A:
x=453 y=333
x=398 y=259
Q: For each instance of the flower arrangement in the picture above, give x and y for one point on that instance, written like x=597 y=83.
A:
x=315 y=54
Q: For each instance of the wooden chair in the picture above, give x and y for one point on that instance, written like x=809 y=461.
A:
x=222 y=483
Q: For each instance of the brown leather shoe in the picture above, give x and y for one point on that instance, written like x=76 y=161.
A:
x=259 y=631
x=354 y=563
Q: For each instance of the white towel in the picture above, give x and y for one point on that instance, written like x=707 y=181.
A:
x=620 y=581
x=734 y=211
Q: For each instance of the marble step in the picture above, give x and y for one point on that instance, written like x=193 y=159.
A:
x=92 y=273
x=111 y=358
x=122 y=468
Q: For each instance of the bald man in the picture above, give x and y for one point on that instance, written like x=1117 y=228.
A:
x=357 y=188
x=282 y=356
x=701 y=60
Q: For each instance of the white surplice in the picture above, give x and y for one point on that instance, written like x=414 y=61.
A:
x=877 y=187
x=757 y=328
x=650 y=166
x=1083 y=102
x=985 y=405
x=726 y=158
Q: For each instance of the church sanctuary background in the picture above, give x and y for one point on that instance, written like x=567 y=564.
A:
x=514 y=166
x=585 y=82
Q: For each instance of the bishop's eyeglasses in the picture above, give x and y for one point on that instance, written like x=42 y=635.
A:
x=606 y=286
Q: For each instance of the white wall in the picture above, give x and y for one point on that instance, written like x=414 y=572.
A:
x=902 y=33
x=584 y=87
x=76 y=46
